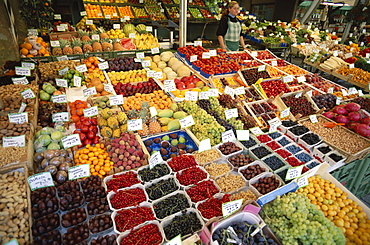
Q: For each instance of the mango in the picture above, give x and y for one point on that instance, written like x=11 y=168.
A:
x=173 y=125
x=174 y=107
x=164 y=121
x=165 y=113
x=179 y=115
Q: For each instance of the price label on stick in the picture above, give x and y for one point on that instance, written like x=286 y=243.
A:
x=301 y=79
x=231 y=207
x=285 y=113
x=287 y=79
x=203 y=95
x=63 y=71
x=109 y=88
x=89 y=91
x=206 y=55
x=294 y=172
x=274 y=63
x=299 y=94
x=116 y=100
x=205 y=145
x=242 y=135
x=155 y=50
x=256 y=131
x=153 y=111
x=103 y=65
x=231 y=113
x=30 y=65
x=338 y=100
x=81 y=68
x=40 y=180
x=229 y=91
x=193 y=58
x=20 y=80
x=330 y=90
x=303 y=181
x=262 y=68
x=134 y=125
x=155 y=159
x=228 y=136
x=187 y=121
x=22 y=71
x=91 y=111
x=18 y=118
x=71 y=140
x=169 y=85
x=213 y=92
x=16 y=141
x=313 y=118
x=80 y=171
x=60 y=117
x=59 y=98
x=191 y=95
x=158 y=75
x=28 y=94
x=344 y=92
x=239 y=90
x=175 y=241
x=352 y=90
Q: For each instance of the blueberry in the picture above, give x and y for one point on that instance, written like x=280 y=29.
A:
x=283 y=141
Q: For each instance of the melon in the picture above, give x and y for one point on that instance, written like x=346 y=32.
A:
x=156 y=58
x=171 y=75
x=129 y=28
x=161 y=64
x=166 y=56
x=148 y=58
x=157 y=69
x=171 y=61
x=153 y=65
x=176 y=65
x=167 y=69
x=183 y=71
x=164 y=76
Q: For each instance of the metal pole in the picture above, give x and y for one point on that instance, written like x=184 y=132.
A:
x=183 y=26
x=313 y=6
x=348 y=27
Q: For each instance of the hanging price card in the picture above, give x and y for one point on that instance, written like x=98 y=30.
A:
x=80 y=171
x=28 y=94
x=301 y=79
x=191 y=95
x=206 y=55
x=231 y=113
x=175 y=241
x=242 y=135
x=338 y=100
x=344 y=92
x=90 y=22
x=313 y=118
x=57 y=16
x=91 y=111
x=40 y=180
x=197 y=43
x=63 y=71
x=18 y=118
x=204 y=145
x=95 y=37
x=83 y=13
x=274 y=63
x=262 y=68
x=20 y=80
x=60 y=117
x=23 y=106
x=228 y=136
x=71 y=140
x=294 y=172
x=330 y=90
x=285 y=113
x=213 y=92
x=287 y=79
x=193 y=58
x=213 y=52
x=352 y=90
x=256 y=131
x=203 y=95
x=81 y=68
x=153 y=111
x=149 y=28
x=303 y=181
x=61 y=28
x=54 y=44
x=59 y=98
x=158 y=75
x=140 y=55
x=109 y=88
x=231 y=207
x=17 y=141
x=133 y=125
x=30 y=65
x=229 y=91
x=89 y=91
x=22 y=71
x=155 y=159
x=155 y=50
x=61 y=58
x=169 y=85
x=239 y=90
x=116 y=100
x=103 y=65
x=187 y=121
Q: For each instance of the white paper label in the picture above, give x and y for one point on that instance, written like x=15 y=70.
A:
x=108 y=88
x=254 y=54
x=299 y=94
x=175 y=241
x=18 y=118
x=57 y=16
x=59 y=98
x=344 y=92
x=89 y=91
x=213 y=92
x=32 y=32
x=335 y=53
x=150 y=73
x=71 y=140
x=61 y=58
x=239 y=90
x=273 y=128
x=28 y=65
x=228 y=136
x=274 y=63
x=140 y=55
x=262 y=68
x=348 y=55
x=54 y=43
x=352 y=90
x=61 y=82
x=213 y=52
x=204 y=145
x=81 y=68
x=360 y=93
x=191 y=95
x=28 y=94
x=256 y=131
x=131 y=35
x=338 y=100
x=40 y=180
x=169 y=85
x=231 y=113
x=242 y=135
x=203 y=95
x=107 y=16
x=309 y=93
x=153 y=111
x=83 y=13
x=303 y=181
x=155 y=159
x=313 y=118
x=155 y=50
x=288 y=79
x=16 y=141
x=158 y=75
x=126 y=17
x=294 y=172
x=135 y=124
x=90 y=22
x=351 y=66
x=146 y=63
x=330 y=90
x=284 y=113
x=301 y=79
x=197 y=43
x=60 y=117
x=206 y=55
x=61 y=28
x=22 y=71
x=229 y=91
x=80 y=171
x=95 y=37
x=116 y=100
x=103 y=65
x=187 y=121
x=149 y=28
x=20 y=80
x=193 y=58
x=63 y=71
x=231 y=207
x=23 y=106
x=91 y=111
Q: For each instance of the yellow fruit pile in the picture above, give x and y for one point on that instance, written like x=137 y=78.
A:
x=337 y=207
x=158 y=99
x=97 y=157
x=115 y=33
x=127 y=76
x=95 y=74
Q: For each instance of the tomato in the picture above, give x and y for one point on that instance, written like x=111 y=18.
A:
x=91 y=135
x=84 y=129
x=82 y=136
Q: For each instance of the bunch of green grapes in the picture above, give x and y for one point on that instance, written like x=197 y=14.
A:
x=296 y=221
x=215 y=104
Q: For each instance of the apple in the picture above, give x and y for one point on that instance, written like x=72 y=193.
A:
x=180 y=86
x=177 y=80
x=190 y=85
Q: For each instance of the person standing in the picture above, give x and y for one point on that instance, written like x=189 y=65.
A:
x=229 y=32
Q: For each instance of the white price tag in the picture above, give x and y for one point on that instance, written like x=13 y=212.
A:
x=57 y=16
x=16 y=141
x=261 y=68
x=242 y=135
x=89 y=91
x=18 y=118
x=60 y=117
x=367 y=55
x=351 y=66
x=149 y=28
x=169 y=85
x=91 y=111
x=197 y=43
x=213 y=92
x=65 y=26
x=28 y=94
x=126 y=17
x=313 y=118
x=61 y=58
x=191 y=95
x=175 y=241
x=40 y=180
x=146 y=63
x=32 y=32
x=335 y=53
x=299 y=94
x=344 y=92
x=30 y=65
x=155 y=50
x=100 y=14
x=294 y=172
x=20 y=80
x=23 y=106
x=228 y=136
x=22 y=71
x=231 y=207
x=150 y=73
x=360 y=93
x=303 y=181
x=301 y=79
x=71 y=140
x=229 y=91
x=338 y=100
x=131 y=35
x=135 y=124
x=116 y=100
x=81 y=68
x=63 y=71
x=193 y=58
x=213 y=52
x=61 y=83
x=239 y=90
x=83 y=13
x=254 y=53
x=203 y=95
x=103 y=65
x=205 y=145
x=108 y=88
x=309 y=93
x=155 y=159
x=153 y=111
x=273 y=128
x=59 y=98
x=274 y=63
x=54 y=44
x=206 y=55
x=256 y=131
x=288 y=79
x=285 y=113
x=80 y=171
x=348 y=55
x=95 y=37
x=274 y=121
x=107 y=16
x=352 y=90
x=90 y=22
x=330 y=90
x=187 y=121
x=140 y=55
x=231 y=113
x=158 y=75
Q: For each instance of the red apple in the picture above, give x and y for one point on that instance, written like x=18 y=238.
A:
x=181 y=85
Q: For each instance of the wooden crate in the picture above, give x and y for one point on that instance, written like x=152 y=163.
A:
x=248 y=111
x=63 y=35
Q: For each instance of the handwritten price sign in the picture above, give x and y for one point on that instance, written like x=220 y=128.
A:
x=80 y=171
x=71 y=140
x=40 y=180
